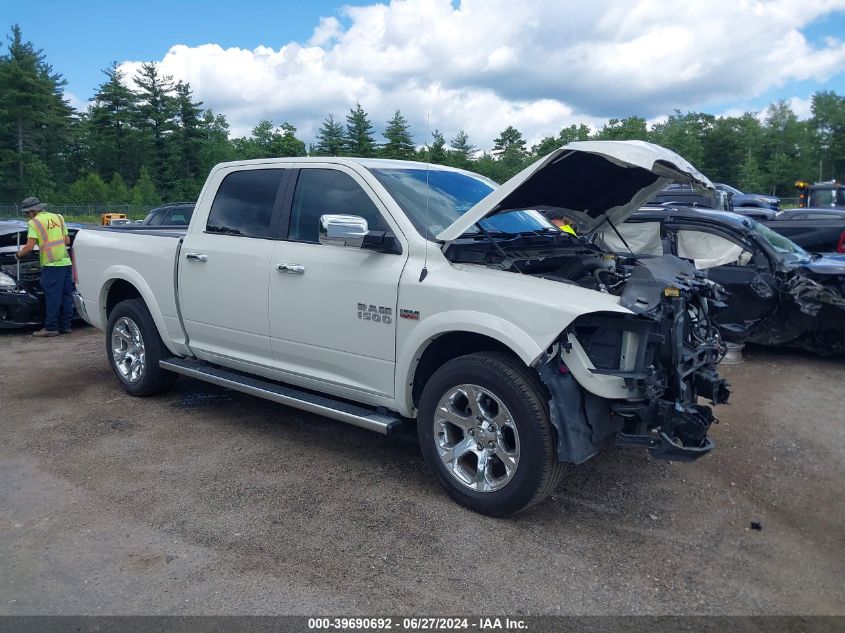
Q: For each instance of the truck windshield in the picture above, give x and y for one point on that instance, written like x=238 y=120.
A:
x=434 y=199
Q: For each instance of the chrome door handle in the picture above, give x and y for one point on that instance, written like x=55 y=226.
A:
x=200 y=257
x=292 y=269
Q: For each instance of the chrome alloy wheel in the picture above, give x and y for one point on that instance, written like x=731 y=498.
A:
x=127 y=346
x=476 y=438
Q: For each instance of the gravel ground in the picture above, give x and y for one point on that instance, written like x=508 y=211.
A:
x=205 y=501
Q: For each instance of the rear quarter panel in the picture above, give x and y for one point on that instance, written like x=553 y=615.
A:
x=145 y=260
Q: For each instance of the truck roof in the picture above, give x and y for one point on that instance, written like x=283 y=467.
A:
x=368 y=163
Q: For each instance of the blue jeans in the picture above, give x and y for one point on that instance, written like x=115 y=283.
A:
x=57 y=283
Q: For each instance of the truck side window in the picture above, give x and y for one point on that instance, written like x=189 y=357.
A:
x=328 y=191
x=244 y=203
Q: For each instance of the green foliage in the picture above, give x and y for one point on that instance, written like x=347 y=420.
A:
x=118 y=193
x=89 y=189
x=631 y=128
x=268 y=141
x=750 y=177
x=37 y=179
x=399 y=142
x=215 y=146
x=33 y=115
x=144 y=192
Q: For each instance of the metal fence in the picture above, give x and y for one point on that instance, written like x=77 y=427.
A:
x=92 y=211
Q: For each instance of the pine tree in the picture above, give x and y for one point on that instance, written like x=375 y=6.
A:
x=462 y=150
x=330 y=138
x=156 y=111
x=437 y=152
x=399 y=142
x=509 y=149
x=358 y=140
x=34 y=118
x=188 y=135
x=110 y=125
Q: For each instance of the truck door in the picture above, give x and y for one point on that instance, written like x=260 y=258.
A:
x=333 y=308
x=224 y=267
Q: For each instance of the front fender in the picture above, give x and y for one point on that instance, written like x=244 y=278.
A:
x=497 y=328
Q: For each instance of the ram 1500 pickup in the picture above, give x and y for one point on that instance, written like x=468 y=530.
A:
x=376 y=291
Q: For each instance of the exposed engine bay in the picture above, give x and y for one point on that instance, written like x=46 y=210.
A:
x=21 y=296
x=665 y=353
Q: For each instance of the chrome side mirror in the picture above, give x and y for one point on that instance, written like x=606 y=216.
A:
x=343 y=230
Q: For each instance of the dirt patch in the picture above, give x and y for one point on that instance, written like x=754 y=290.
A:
x=208 y=501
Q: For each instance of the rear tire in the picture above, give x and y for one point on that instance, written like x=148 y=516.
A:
x=485 y=433
x=134 y=348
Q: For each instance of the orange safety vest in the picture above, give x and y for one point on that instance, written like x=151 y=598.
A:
x=51 y=239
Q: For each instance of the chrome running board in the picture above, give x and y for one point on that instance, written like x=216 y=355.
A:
x=283 y=394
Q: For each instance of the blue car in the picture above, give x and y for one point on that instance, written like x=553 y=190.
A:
x=740 y=199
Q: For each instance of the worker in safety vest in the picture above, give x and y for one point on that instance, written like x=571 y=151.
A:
x=48 y=230
x=563 y=223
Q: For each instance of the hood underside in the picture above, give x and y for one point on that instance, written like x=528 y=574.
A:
x=589 y=181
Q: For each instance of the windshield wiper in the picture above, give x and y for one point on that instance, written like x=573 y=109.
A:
x=497 y=247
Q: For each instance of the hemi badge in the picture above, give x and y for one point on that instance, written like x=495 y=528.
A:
x=414 y=315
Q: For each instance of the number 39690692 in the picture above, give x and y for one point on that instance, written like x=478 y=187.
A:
x=378 y=314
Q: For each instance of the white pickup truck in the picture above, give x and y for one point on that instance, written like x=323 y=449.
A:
x=376 y=291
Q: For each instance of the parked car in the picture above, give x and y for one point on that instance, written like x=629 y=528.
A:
x=686 y=194
x=373 y=290
x=815 y=230
x=779 y=293
x=740 y=199
x=21 y=296
x=174 y=214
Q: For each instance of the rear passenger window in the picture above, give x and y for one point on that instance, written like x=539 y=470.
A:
x=325 y=192
x=244 y=203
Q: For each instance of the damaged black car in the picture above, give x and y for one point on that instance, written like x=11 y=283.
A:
x=21 y=296
x=778 y=293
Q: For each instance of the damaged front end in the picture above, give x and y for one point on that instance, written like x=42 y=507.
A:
x=21 y=296
x=641 y=374
x=810 y=312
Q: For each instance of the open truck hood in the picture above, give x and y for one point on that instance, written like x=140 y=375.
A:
x=589 y=181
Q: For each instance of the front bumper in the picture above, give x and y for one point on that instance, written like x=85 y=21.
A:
x=660 y=368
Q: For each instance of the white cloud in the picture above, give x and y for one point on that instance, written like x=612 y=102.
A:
x=537 y=64
x=75 y=102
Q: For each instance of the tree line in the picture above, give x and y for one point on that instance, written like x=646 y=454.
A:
x=145 y=139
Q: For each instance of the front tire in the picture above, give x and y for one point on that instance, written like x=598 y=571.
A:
x=485 y=434
x=134 y=349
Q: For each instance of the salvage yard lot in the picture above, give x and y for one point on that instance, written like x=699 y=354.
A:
x=208 y=501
